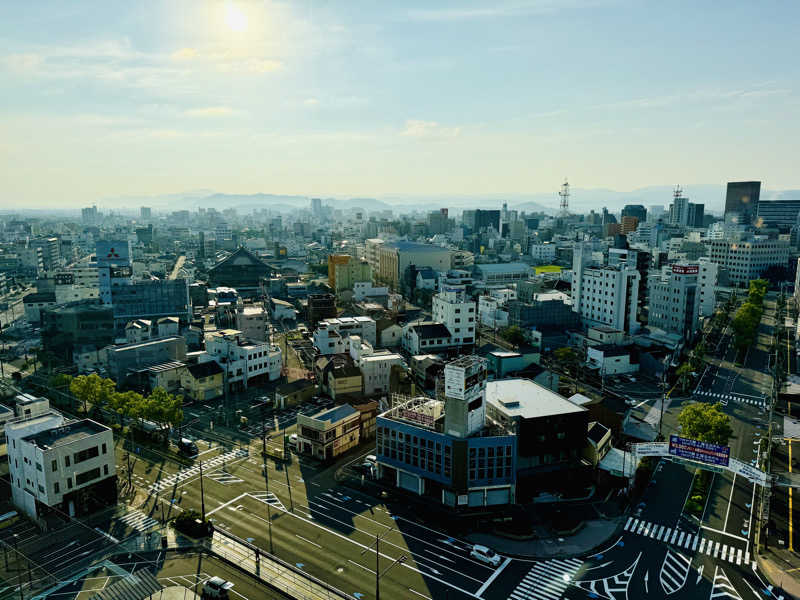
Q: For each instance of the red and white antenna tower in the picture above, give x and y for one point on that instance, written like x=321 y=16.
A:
x=564 y=195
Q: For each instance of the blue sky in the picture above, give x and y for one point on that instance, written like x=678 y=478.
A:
x=353 y=98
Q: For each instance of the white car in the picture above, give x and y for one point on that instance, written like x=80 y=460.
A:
x=484 y=554
x=293 y=439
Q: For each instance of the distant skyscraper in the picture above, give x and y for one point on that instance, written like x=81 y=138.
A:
x=145 y=212
x=742 y=198
x=695 y=215
x=635 y=210
x=316 y=207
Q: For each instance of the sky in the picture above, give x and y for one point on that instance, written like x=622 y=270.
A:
x=104 y=99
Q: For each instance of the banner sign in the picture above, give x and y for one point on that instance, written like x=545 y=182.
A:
x=748 y=472
x=651 y=449
x=705 y=452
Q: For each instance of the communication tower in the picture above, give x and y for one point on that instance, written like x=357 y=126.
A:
x=564 y=195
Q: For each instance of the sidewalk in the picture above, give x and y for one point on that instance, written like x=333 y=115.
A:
x=780 y=568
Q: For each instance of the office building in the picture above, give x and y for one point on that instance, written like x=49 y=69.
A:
x=674 y=300
x=604 y=295
x=629 y=224
x=708 y=278
x=78 y=325
x=320 y=306
x=695 y=215
x=543 y=253
x=393 y=258
x=331 y=335
x=742 y=199
x=780 y=214
x=114 y=266
x=145 y=212
x=438 y=221
x=65 y=466
x=444 y=449
x=635 y=210
x=748 y=257
x=151 y=300
x=501 y=273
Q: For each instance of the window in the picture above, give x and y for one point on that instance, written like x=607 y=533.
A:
x=56 y=487
x=87 y=476
x=105 y=469
x=55 y=465
x=69 y=483
x=104 y=448
x=86 y=454
x=39 y=467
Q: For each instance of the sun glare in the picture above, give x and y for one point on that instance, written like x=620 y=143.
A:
x=235 y=18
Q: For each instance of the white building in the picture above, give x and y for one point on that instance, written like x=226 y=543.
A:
x=252 y=322
x=491 y=312
x=707 y=281
x=376 y=366
x=52 y=464
x=610 y=359
x=543 y=252
x=330 y=330
x=458 y=313
x=747 y=258
x=426 y=337
x=138 y=330
x=364 y=289
x=243 y=359
x=675 y=299
x=604 y=295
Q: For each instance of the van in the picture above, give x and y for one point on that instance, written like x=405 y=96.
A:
x=187 y=447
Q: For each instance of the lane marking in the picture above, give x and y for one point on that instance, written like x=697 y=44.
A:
x=307 y=541
x=492 y=578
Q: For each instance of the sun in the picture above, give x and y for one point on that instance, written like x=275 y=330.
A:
x=235 y=18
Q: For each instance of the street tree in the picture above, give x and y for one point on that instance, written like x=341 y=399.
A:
x=513 y=335
x=684 y=374
x=92 y=389
x=567 y=357
x=706 y=423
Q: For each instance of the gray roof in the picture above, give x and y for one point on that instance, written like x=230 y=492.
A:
x=337 y=413
x=527 y=399
x=405 y=246
x=504 y=268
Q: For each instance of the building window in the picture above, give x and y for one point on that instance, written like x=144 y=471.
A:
x=82 y=478
x=39 y=467
x=69 y=483
x=86 y=454
x=105 y=469
x=56 y=487
x=55 y=465
x=104 y=448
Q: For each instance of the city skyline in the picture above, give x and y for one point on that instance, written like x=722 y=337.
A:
x=106 y=100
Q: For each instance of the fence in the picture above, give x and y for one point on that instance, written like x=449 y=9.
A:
x=272 y=570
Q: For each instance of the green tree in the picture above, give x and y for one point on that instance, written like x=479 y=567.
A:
x=684 y=374
x=706 y=423
x=164 y=408
x=92 y=389
x=513 y=335
x=125 y=404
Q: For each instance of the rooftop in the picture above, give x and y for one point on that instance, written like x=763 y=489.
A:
x=430 y=329
x=66 y=434
x=527 y=399
x=405 y=246
x=205 y=369
x=337 y=413
x=504 y=268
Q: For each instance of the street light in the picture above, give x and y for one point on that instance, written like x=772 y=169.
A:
x=403 y=558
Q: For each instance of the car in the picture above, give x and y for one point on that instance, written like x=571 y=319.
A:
x=293 y=439
x=371 y=458
x=187 y=447
x=485 y=554
x=216 y=588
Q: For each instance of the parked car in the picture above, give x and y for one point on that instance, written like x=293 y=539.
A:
x=371 y=458
x=485 y=554
x=216 y=588
x=187 y=447
x=293 y=439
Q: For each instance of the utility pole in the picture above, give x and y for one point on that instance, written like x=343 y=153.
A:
x=403 y=558
x=266 y=485
x=202 y=495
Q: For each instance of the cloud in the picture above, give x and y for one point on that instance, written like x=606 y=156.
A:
x=184 y=54
x=310 y=102
x=498 y=10
x=210 y=111
x=429 y=130
x=22 y=63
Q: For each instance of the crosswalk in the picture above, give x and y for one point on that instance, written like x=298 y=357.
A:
x=674 y=571
x=189 y=472
x=722 y=587
x=136 y=519
x=694 y=542
x=725 y=398
x=268 y=498
x=547 y=580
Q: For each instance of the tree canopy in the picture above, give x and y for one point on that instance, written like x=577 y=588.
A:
x=513 y=335
x=706 y=423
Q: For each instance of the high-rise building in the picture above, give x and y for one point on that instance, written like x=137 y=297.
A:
x=458 y=313
x=316 y=207
x=742 y=198
x=748 y=258
x=635 y=210
x=674 y=300
x=114 y=266
x=629 y=224
x=782 y=214
x=145 y=212
x=695 y=215
x=604 y=295
x=487 y=218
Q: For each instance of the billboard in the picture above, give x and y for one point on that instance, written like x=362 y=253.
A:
x=705 y=452
x=686 y=269
x=651 y=449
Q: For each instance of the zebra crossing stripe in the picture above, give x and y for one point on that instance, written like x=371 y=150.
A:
x=641 y=527
x=716 y=550
x=696 y=540
x=746 y=556
x=724 y=551
x=660 y=533
x=739 y=557
x=702 y=545
x=680 y=539
x=628 y=524
x=674 y=535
